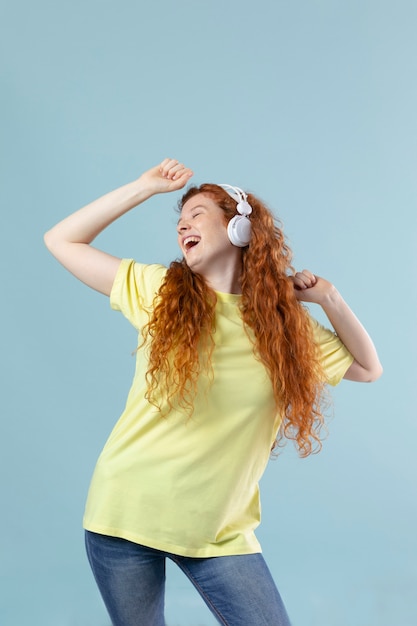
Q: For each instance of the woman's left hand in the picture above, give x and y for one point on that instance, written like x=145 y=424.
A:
x=311 y=288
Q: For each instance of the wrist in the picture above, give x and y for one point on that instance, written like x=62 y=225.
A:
x=331 y=299
x=142 y=190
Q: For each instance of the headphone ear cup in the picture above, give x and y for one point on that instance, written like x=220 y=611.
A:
x=239 y=231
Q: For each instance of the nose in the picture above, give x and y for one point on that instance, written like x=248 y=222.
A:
x=182 y=226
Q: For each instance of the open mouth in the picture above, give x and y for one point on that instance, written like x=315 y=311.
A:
x=190 y=242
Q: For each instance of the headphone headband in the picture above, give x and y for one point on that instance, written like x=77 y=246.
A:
x=239 y=196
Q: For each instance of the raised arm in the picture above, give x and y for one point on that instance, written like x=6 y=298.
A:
x=366 y=366
x=69 y=241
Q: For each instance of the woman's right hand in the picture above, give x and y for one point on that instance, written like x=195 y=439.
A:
x=170 y=175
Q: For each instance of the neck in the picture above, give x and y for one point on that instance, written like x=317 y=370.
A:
x=229 y=281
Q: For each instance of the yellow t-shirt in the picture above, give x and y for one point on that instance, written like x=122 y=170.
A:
x=190 y=485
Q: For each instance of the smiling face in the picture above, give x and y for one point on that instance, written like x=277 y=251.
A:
x=202 y=237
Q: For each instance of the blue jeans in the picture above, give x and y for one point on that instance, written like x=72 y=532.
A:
x=238 y=590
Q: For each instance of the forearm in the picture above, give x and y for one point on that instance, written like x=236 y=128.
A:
x=352 y=334
x=84 y=225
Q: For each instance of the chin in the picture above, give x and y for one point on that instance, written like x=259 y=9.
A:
x=195 y=266
x=189 y=262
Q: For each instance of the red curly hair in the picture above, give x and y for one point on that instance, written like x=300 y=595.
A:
x=184 y=316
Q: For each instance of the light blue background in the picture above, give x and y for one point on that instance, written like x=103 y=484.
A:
x=312 y=105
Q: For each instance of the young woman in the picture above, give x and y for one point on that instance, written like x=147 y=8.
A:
x=229 y=361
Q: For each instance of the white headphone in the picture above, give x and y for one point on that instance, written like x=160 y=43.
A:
x=239 y=227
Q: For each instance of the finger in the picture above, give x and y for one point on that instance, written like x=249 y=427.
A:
x=180 y=180
x=299 y=282
x=306 y=278
x=176 y=169
x=181 y=171
x=309 y=275
x=183 y=174
x=166 y=165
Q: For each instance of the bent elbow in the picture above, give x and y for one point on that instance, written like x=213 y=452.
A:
x=48 y=240
x=53 y=243
x=360 y=374
x=375 y=373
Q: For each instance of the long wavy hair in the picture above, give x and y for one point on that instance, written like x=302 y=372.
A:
x=183 y=319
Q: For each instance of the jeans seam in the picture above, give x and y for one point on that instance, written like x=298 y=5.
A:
x=200 y=590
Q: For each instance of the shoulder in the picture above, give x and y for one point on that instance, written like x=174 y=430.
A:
x=140 y=273
x=136 y=283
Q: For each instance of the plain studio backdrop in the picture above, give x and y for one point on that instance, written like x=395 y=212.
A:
x=312 y=105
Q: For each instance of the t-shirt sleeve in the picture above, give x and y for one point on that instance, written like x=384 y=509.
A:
x=335 y=357
x=134 y=290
